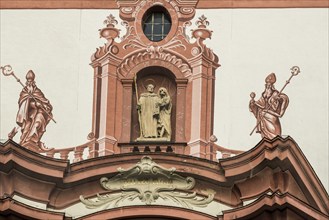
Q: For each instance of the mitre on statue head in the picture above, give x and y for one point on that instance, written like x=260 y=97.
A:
x=271 y=79
x=30 y=76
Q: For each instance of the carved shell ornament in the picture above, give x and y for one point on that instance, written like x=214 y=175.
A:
x=147 y=52
x=131 y=61
x=148 y=182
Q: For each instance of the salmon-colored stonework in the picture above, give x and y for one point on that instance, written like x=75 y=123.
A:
x=152 y=152
x=105 y=4
x=287 y=187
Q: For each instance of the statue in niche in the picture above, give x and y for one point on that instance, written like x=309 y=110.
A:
x=165 y=113
x=269 y=108
x=34 y=113
x=154 y=114
x=148 y=113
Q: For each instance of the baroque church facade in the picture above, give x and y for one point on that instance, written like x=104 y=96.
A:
x=152 y=152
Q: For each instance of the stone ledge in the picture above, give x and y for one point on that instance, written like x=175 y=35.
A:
x=202 y=4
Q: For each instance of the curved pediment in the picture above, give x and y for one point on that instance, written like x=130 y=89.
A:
x=290 y=172
x=279 y=169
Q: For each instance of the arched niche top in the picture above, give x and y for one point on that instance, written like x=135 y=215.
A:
x=158 y=70
x=159 y=77
x=131 y=66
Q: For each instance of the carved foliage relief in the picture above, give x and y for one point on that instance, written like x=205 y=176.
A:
x=148 y=182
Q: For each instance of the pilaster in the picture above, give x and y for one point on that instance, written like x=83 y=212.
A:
x=107 y=110
x=202 y=105
x=126 y=110
x=181 y=110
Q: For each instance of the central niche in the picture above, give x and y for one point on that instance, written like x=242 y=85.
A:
x=154 y=106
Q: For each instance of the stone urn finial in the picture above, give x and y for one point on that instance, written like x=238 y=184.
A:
x=110 y=31
x=110 y=21
x=202 y=22
x=202 y=32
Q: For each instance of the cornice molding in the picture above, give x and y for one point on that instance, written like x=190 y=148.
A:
x=12 y=156
x=285 y=154
x=202 y=4
x=11 y=207
x=282 y=153
x=206 y=4
x=271 y=203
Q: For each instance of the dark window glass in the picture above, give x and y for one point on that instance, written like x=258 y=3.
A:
x=167 y=20
x=157 y=38
x=157 y=29
x=147 y=29
x=167 y=28
x=157 y=17
x=156 y=24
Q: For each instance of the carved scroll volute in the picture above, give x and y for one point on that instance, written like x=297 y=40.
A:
x=186 y=13
x=148 y=182
x=126 y=13
x=127 y=7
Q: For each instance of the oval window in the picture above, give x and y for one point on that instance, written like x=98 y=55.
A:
x=156 y=23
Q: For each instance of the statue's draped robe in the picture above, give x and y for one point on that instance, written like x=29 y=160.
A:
x=32 y=119
x=148 y=115
x=268 y=122
x=165 y=116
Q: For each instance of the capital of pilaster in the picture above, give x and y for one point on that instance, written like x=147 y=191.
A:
x=107 y=139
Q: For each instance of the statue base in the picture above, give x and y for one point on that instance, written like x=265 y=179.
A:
x=162 y=139
x=36 y=147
